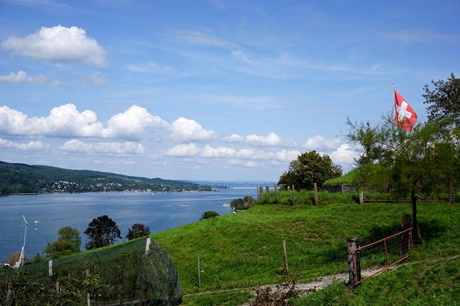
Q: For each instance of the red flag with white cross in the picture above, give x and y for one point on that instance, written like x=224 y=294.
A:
x=405 y=116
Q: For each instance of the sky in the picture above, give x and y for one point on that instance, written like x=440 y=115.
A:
x=210 y=89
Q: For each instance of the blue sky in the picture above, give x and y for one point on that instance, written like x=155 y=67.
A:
x=210 y=90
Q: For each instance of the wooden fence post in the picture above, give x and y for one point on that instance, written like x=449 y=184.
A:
x=286 y=267
x=354 y=264
x=276 y=193
x=199 y=274
x=261 y=191
x=316 y=193
x=361 y=195
x=50 y=267
x=292 y=194
x=267 y=189
x=147 y=245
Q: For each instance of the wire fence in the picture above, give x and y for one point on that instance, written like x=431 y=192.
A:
x=379 y=255
x=111 y=276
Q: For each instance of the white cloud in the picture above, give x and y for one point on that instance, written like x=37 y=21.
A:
x=67 y=121
x=319 y=142
x=345 y=156
x=131 y=123
x=22 y=77
x=187 y=130
x=78 y=146
x=58 y=44
x=256 y=140
x=183 y=150
x=30 y=146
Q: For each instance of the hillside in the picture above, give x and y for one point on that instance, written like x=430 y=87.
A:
x=18 y=178
x=239 y=252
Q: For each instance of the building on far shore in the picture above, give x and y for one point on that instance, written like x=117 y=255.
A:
x=14 y=258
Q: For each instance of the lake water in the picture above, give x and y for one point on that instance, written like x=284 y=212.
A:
x=46 y=214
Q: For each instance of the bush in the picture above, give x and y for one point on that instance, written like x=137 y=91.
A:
x=209 y=214
x=242 y=204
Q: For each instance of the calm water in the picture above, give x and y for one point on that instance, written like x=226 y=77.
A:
x=46 y=214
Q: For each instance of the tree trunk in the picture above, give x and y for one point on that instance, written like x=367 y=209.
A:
x=413 y=197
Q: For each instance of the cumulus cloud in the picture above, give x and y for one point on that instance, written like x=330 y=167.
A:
x=30 y=146
x=63 y=121
x=58 y=44
x=345 y=156
x=184 y=129
x=256 y=140
x=67 y=121
x=131 y=123
x=22 y=77
x=319 y=142
x=207 y=151
x=78 y=146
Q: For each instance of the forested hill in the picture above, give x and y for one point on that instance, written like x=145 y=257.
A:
x=21 y=178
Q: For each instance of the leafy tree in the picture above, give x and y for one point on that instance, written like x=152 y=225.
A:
x=444 y=100
x=102 y=231
x=411 y=164
x=209 y=214
x=69 y=242
x=310 y=168
x=242 y=204
x=137 y=230
x=444 y=108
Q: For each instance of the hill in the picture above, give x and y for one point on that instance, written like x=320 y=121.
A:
x=18 y=178
x=239 y=252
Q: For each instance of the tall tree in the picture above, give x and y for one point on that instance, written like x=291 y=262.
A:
x=310 y=168
x=409 y=163
x=102 y=231
x=444 y=100
x=138 y=230
x=68 y=242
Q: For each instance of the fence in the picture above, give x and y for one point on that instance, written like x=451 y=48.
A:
x=382 y=254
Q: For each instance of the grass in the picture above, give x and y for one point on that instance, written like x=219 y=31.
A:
x=241 y=251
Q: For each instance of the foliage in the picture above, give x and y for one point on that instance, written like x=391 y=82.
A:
x=310 y=168
x=347 y=178
x=239 y=252
x=102 y=231
x=69 y=242
x=21 y=178
x=242 y=204
x=409 y=164
x=444 y=100
x=137 y=230
x=209 y=214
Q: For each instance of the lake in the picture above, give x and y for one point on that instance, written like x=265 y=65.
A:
x=48 y=213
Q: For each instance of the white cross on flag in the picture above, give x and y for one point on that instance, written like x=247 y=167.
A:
x=405 y=116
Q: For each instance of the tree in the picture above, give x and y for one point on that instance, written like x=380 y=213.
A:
x=102 y=231
x=411 y=164
x=68 y=242
x=310 y=168
x=444 y=108
x=444 y=100
x=209 y=214
x=137 y=230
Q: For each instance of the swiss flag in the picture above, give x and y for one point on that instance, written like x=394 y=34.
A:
x=405 y=116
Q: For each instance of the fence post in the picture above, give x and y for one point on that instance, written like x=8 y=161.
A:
x=199 y=274
x=316 y=193
x=276 y=193
x=147 y=245
x=292 y=194
x=361 y=195
x=285 y=258
x=267 y=189
x=261 y=191
x=354 y=264
x=50 y=267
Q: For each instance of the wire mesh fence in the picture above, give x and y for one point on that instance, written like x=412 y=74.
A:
x=110 y=276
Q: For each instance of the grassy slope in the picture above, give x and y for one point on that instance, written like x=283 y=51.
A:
x=245 y=249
